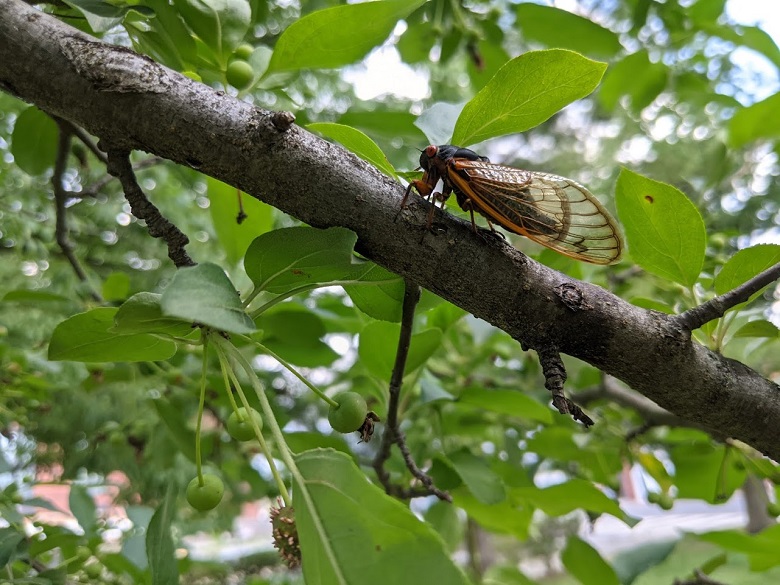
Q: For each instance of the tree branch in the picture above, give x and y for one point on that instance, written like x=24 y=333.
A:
x=717 y=307
x=393 y=433
x=159 y=227
x=60 y=199
x=133 y=103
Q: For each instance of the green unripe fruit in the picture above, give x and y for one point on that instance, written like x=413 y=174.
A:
x=349 y=414
x=244 y=51
x=93 y=570
x=665 y=501
x=239 y=424
x=83 y=553
x=207 y=496
x=239 y=74
x=773 y=509
x=653 y=497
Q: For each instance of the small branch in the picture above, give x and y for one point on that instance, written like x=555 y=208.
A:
x=60 y=199
x=554 y=377
x=393 y=433
x=82 y=135
x=699 y=578
x=159 y=227
x=100 y=184
x=717 y=307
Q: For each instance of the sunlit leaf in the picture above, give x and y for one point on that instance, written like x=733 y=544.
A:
x=337 y=36
x=525 y=92
x=665 y=231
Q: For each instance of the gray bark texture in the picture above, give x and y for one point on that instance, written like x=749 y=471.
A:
x=130 y=102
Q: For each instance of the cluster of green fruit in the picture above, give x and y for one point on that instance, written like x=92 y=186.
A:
x=346 y=415
x=239 y=72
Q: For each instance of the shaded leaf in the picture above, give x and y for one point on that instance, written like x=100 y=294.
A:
x=159 y=543
x=89 y=337
x=510 y=402
x=224 y=208
x=586 y=564
x=347 y=525
x=204 y=294
x=34 y=141
x=558 y=28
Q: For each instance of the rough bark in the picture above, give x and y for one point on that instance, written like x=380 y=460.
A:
x=130 y=102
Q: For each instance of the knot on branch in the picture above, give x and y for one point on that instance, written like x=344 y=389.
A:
x=282 y=121
x=571 y=296
x=554 y=377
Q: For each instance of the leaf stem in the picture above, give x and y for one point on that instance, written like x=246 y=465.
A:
x=201 y=403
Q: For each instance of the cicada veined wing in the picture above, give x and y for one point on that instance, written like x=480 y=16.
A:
x=553 y=211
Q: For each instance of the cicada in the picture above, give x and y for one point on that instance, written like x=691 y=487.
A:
x=552 y=211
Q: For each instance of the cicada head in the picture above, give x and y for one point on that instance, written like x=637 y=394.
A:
x=427 y=156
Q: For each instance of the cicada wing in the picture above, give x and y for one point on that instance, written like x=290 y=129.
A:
x=553 y=211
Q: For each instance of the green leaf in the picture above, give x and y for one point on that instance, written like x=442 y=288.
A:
x=142 y=313
x=760 y=548
x=337 y=36
x=159 y=543
x=387 y=124
x=166 y=37
x=655 y=469
x=586 y=565
x=665 y=231
x=558 y=28
x=506 y=517
x=438 y=121
x=504 y=575
x=294 y=333
x=477 y=476
x=357 y=142
x=82 y=506
x=701 y=471
x=348 y=526
x=10 y=539
x=751 y=37
x=510 y=402
x=378 y=293
x=525 y=92
x=299 y=442
x=755 y=122
x=565 y=497
x=33 y=297
x=116 y=286
x=379 y=342
x=103 y=16
x=289 y=258
x=758 y=328
x=236 y=237
x=89 y=337
x=204 y=294
x=744 y=265
x=172 y=417
x=34 y=141
x=635 y=76
x=220 y=24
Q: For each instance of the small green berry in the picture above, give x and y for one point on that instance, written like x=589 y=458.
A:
x=239 y=425
x=207 y=496
x=83 y=553
x=349 y=414
x=239 y=74
x=666 y=502
x=244 y=51
x=773 y=509
x=653 y=497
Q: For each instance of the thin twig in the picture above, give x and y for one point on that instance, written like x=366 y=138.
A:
x=554 y=377
x=158 y=226
x=699 y=578
x=61 y=211
x=100 y=184
x=82 y=135
x=393 y=433
x=717 y=307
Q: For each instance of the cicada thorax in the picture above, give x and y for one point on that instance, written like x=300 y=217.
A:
x=553 y=211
